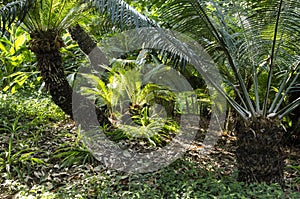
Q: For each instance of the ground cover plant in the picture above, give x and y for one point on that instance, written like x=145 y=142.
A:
x=42 y=157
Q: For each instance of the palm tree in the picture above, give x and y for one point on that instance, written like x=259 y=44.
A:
x=256 y=46
x=46 y=20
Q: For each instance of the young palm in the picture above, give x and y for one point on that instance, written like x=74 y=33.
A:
x=256 y=46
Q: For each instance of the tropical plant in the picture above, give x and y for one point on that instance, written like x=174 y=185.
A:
x=46 y=20
x=130 y=104
x=16 y=61
x=255 y=45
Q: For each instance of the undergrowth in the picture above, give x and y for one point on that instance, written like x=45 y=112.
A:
x=41 y=156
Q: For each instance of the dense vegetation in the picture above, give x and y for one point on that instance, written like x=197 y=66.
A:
x=42 y=157
x=46 y=48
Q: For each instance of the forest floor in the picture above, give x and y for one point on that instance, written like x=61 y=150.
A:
x=52 y=162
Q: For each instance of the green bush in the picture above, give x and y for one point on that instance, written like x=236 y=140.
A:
x=16 y=62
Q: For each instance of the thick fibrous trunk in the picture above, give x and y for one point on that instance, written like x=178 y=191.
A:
x=88 y=46
x=46 y=47
x=52 y=71
x=84 y=41
x=259 y=153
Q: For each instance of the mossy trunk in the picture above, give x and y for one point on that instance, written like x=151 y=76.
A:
x=259 y=152
x=46 y=46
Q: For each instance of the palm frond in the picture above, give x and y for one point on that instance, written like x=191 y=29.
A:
x=121 y=13
x=199 y=24
x=287 y=84
x=272 y=56
x=176 y=44
x=53 y=14
x=287 y=109
x=257 y=38
x=14 y=11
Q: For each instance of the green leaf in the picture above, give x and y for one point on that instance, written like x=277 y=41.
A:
x=6 y=88
x=19 y=42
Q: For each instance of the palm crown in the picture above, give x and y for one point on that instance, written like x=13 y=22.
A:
x=252 y=44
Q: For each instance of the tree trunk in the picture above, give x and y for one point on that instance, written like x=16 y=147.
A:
x=46 y=47
x=259 y=153
x=84 y=41
x=88 y=46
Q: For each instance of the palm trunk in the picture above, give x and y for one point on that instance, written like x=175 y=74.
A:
x=88 y=46
x=46 y=47
x=259 y=153
x=84 y=41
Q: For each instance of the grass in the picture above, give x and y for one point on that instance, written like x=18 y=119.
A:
x=41 y=156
